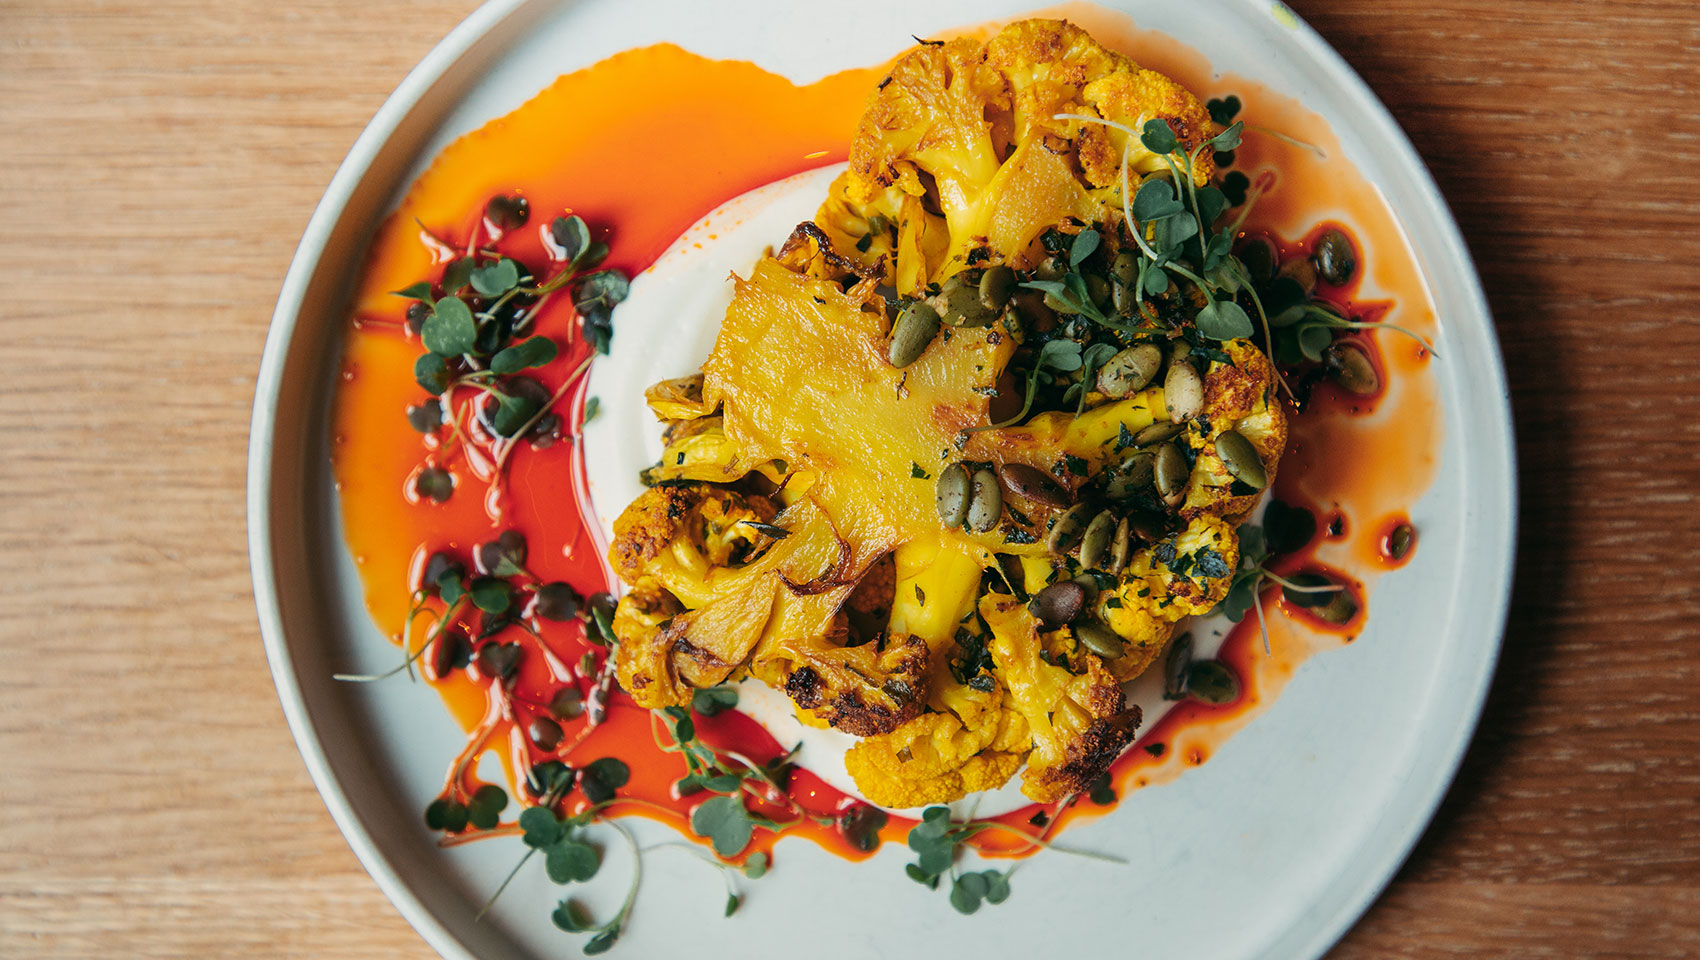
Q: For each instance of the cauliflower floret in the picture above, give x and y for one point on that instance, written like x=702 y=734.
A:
x=1238 y=396
x=940 y=757
x=972 y=132
x=681 y=531
x=863 y=690
x=1183 y=576
x=644 y=663
x=1076 y=712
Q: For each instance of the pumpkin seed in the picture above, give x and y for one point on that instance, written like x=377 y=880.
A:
x=952 y=495
x=1351 y=368
x=1123 y=299
x=985 y=501
x=1156 y=433
x=1179 y=350
x=1050 y=268
x=958 y=304
x=1302 y=272
x=1059 y=305
x=1399 y=541
x=1098 y=289
x=1308 y=598
x=1031 y=483
x=1088 y=583
x=1129 y=371
x=1183 y=391
x=545 y=733
x=1135 y=475
x=1171 y=473
x=1099 y=639
x=1210 y=681
x=1067 y=529
x=1121 y=546
x=1058 y=603
x=1147 y=527
x=996 y=284
x=1333 y=257
x=1125 y=268
x=1010 y=320
x=1241 y=459
x=916 y=327
x=1175 y=667
x=1340 y=608
x=1096 y=541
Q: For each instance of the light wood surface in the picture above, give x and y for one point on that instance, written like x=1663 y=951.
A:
x=158 y=161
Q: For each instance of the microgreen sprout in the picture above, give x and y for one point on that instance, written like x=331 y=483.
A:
x=936 y=841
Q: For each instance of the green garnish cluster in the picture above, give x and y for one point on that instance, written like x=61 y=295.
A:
x=476 y=324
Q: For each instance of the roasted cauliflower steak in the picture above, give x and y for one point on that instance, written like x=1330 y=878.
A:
x=808 y=524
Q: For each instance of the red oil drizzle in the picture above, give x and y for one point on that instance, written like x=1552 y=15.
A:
x=640 y=175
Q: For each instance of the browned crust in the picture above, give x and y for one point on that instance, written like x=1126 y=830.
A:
x=1089 y=755
x=867 y=706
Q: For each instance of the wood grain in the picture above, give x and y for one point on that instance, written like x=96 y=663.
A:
x=160 y=159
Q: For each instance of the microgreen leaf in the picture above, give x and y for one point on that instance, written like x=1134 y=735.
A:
x=709 y=701
x=572 y=235
x=1228 y=139
x=962 y=895
x=1155 y=200
x=567 y=861
x=531 y=352
x=601 y=778
x=495 y=279
x=1211 y=203
x=491 y=595
x=756 y=866
x=457 y=275
x=1061 y=355
x=486 y=808
x=571 y=917
x=435 y=483
x=1314 y=338
x=592 y=407
x=431 y=373
x=1224 y=320
x=415 y=291
x=726 y=823
x=1084 y=243
x=1156 y=281
x=731 y=904
x=451 y=585
x=601 y=943
x=450 y=330
x=513 y=412
x=604 y=288
x=1158 y=137
x=542 y=829
x=1224 y=110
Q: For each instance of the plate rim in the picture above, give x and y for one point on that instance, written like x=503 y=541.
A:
x=333 y=205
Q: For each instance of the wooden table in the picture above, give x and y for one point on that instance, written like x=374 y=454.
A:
x=158 y=161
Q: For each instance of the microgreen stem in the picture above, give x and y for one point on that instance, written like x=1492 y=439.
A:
x=619 y=920
x=1038 y=841
x=505 y=881
x=1291 y=141
x=407 y=664
x=1301 y=588
x=473 y=836
x=1257 y=601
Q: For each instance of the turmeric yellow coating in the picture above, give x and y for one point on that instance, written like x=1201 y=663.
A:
x=793 y=534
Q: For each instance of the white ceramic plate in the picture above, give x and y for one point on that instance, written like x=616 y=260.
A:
x=1270 y=850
